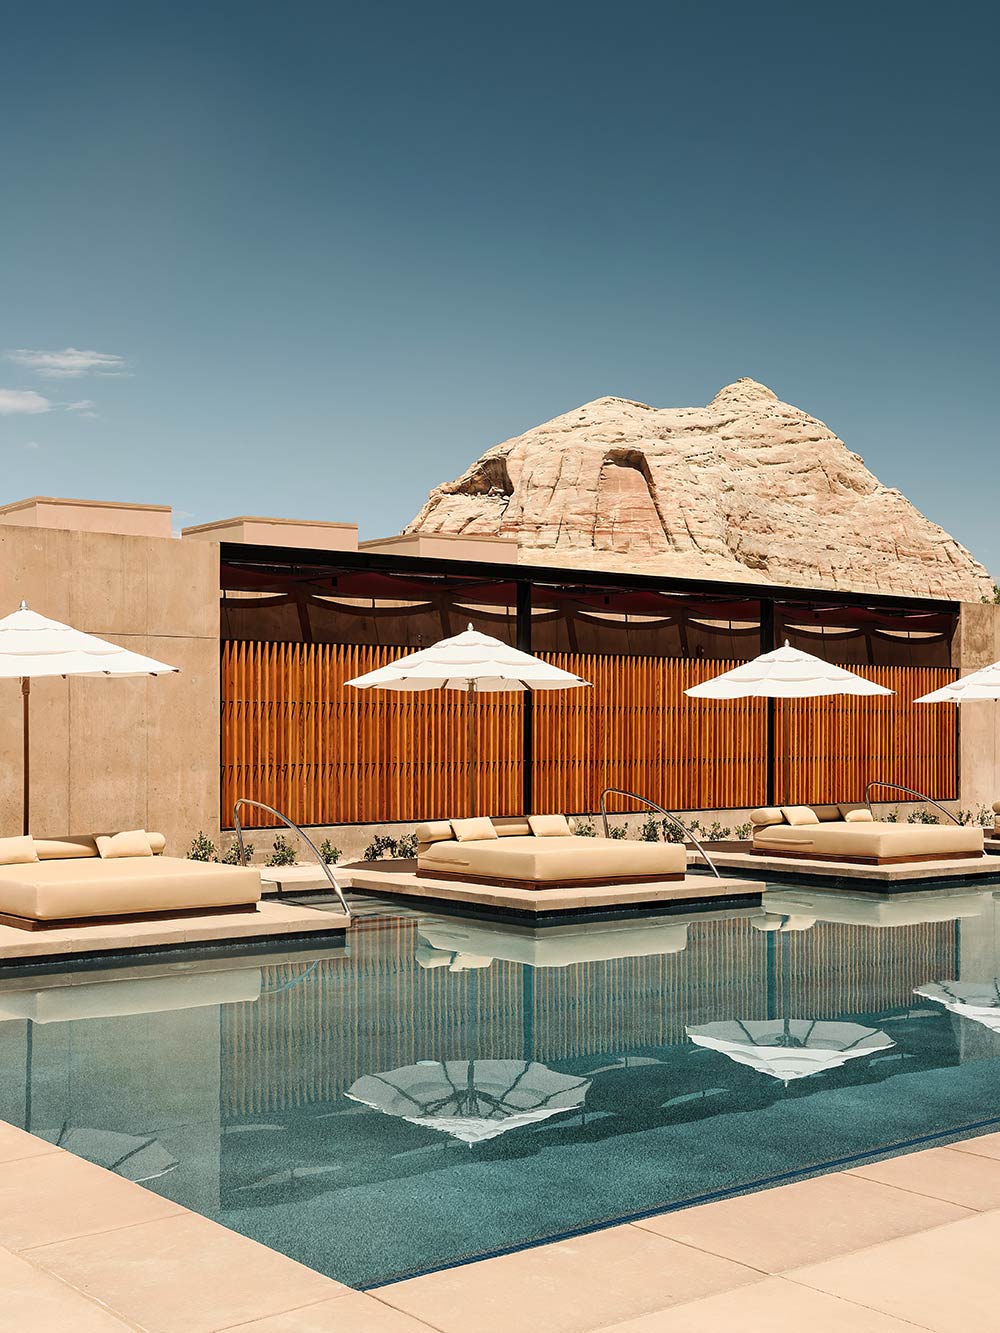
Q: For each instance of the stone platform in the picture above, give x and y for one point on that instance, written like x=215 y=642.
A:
x=884 y=879
x=553 y=904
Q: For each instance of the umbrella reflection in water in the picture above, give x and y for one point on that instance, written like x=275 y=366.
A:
x=788 y=1049
x=471 y=1100
x=134 y=1157
x=978 y=1000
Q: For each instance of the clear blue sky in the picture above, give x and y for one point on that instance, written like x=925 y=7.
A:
x=333 y=251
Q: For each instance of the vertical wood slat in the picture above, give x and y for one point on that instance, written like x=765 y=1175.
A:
x=294 y=736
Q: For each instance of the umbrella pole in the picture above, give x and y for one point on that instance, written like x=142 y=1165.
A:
x=26 y=761
x=470 y=744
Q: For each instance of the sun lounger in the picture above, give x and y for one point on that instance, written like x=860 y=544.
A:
x=515 y=854
x=850 y=834
x=51 y=883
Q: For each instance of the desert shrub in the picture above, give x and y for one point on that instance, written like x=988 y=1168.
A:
x=983 y=817
x=718 y=832
x=202 y=848
x=384 y=846
x=329 y=853
x=922 y=817
x=618 y=831
x=650 y=830
x=670 y=831
x=743 y=831
x=584 y=828
x=892 y=817
x=231 y=856
x=283 y=853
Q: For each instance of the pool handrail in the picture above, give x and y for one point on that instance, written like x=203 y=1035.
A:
x=259 y=805
x=910 y=791
x=634 y=796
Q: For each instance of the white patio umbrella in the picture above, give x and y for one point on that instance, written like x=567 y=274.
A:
x=978 y=1000
x=785 y=673
x=471 y=1100
x=787 y=1049
x=980 y=685
x=32 y=647
x=475 y=663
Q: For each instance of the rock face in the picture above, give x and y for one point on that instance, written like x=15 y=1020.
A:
x=746 y=489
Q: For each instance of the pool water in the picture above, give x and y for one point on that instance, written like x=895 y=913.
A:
x=442 y=1089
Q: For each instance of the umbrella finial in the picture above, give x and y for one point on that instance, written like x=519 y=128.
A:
x=470 y=624
x=23 y=606
x=787 y=644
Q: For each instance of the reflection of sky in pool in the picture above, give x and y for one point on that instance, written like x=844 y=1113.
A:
x=445 y=1088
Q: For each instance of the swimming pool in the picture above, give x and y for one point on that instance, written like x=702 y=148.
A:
x=440 y=1088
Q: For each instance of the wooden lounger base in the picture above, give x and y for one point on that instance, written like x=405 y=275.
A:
x=867 y=860
x=74 y=923
x=539 y=886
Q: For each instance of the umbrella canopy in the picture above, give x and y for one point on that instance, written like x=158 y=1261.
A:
x=469 y=660
x=982 y=684
x=978 y=1000
x=471 y=1100
x=785 y=673
x=787 y=1049
x=32 y=647
x=475 y=663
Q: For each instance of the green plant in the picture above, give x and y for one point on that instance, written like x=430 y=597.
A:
x=892 y=817
x=617 y=831
x=584 y=828
x=922 y=817
x=329 y=853
x=202 y=848
x=650 y=830
x=743 y=831
x=231 y=856
x=995 y=599
x=718 y=832
x=384 y=846
x=671 y=832
x=283 y=853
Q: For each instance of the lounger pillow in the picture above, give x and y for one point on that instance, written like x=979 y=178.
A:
x=550 y=826
x=437 y=830
x=859 y=816
x=17 y=851
x=796 y=815
x=763 y=818
x=473 y=830
x=133 y=842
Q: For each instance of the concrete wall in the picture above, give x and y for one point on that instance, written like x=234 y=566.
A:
x=107 y=753
x=977 y=645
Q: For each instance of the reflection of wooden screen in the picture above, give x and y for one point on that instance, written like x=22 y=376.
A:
x=829 y=749
x=296 y=737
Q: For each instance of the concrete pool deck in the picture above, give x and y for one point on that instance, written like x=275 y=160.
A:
x=903 y=1244
x=273 y=922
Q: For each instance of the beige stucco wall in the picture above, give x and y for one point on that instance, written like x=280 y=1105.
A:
x=116 y=753
x=977 y=645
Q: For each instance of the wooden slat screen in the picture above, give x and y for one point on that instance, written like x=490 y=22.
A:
x=636 y=729
x=296 y=738
x=829 y=749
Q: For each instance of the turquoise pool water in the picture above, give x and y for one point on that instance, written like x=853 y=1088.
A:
x=442 y=1089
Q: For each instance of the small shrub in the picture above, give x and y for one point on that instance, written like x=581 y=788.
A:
x=202 y=848
x=650 y=830
x=983 y=817
x=695 y=826
x=922 y=817
x=671 y=833
x=718 y=832
x=384 y=846
x=283 y=853
x=892 y=817
x=231 y=856
x=743 y=831
x=617 y=831
x=329 y=853
x=584 y=828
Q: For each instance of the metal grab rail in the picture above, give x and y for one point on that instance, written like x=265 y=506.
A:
x=634 y=796
x=259 y=805
x=910 y=791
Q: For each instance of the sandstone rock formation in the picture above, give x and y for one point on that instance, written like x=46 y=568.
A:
x=748 y=488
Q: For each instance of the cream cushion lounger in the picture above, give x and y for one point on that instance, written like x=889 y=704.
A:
x=524 y=860
x=71 y=883
x=870 y=842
